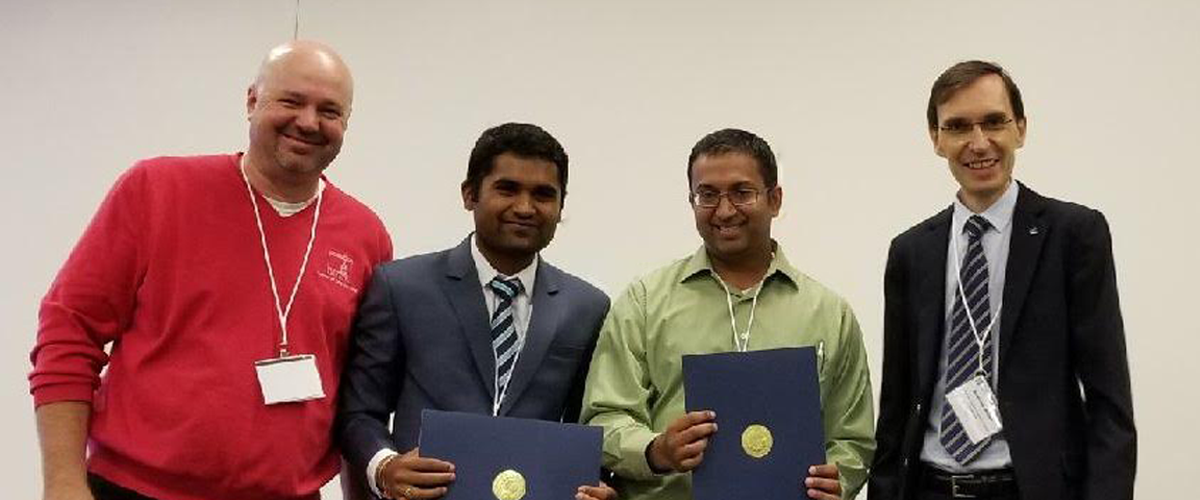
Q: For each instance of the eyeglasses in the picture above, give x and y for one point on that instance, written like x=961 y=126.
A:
x=959 y=128
x=709 y=198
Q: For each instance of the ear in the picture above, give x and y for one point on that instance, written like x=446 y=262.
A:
x=937 y=147
x=1021 y=124
x=251 y=99
x=775 y=199
x=469 y=196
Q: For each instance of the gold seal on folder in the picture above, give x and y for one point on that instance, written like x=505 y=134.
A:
x=757 y=440
x=509 y=485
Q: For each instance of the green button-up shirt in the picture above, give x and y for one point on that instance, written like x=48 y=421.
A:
x=635 y=386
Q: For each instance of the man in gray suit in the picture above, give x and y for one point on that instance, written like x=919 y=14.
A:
x=485 y=327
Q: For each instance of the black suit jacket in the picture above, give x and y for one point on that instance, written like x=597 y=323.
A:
x=1063 y=383
x=422 y=340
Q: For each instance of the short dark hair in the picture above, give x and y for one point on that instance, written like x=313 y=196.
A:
x=520 y=139
x=965 y=73
x=732 y=140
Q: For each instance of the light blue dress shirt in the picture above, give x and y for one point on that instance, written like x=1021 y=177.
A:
x=995 y=247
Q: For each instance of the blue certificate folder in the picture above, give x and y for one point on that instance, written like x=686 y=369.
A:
x=776 y=389
x=554 y=458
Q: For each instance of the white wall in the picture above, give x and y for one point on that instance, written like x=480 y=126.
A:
x=838 y=88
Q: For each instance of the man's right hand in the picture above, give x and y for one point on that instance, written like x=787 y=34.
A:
x=681 y=447
x=413 y=477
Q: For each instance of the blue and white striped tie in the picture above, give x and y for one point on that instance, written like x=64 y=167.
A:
x=504 y=332
x=963 y=358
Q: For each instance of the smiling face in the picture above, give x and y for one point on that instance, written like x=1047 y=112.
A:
x=517 y=208
x=734 y=234
x=981 y=159
x=298 y=109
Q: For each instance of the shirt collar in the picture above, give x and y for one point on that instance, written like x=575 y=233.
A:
x=487 y=272
x=999 y=215
x=699 y=263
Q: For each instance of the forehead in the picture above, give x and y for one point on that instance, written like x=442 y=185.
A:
x=531 y=171
x=986 y=95
x=726 y=170
x=311 y=77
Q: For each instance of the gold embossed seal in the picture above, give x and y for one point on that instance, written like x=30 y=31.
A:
x=508 y=485
x=757 y=440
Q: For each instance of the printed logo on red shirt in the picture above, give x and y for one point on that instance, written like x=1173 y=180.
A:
x=337 y=269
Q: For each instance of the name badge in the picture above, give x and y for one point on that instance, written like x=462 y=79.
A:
x=975 y=406
x=289 y=379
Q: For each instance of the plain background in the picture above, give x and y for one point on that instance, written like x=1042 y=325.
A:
x=837 y=88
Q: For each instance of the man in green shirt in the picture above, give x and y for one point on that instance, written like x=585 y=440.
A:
x=737 y=292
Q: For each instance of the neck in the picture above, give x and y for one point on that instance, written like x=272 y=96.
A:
x=504 y=263
x=743 y=272
x=980 y=202
x=280 y=186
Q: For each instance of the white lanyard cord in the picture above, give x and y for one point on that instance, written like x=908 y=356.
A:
x=980 y=338
x=500 y=394
x=741 y=342
x=283 y=312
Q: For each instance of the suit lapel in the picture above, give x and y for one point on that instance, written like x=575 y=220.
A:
x=466 y=296
x=542 y=327
x=931 y=308
x=1025 y=246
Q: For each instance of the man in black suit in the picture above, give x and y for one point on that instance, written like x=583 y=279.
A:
x=1004 y=369
x=485 y=327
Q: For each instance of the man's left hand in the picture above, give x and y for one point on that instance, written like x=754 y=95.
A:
x=823 y=482
x=602 y=492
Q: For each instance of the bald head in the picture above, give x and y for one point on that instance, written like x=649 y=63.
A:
x=299 y=108
x=308 y=56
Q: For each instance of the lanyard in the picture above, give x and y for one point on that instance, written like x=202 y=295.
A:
x=980 y=338
x=741 y=341
x=282 y=311
x=501 y=393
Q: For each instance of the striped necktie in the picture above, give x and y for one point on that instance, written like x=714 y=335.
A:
x=504 y=332
x=963 y=358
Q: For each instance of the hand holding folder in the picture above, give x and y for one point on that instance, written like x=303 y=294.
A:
x=413 y=477
x=681 y=447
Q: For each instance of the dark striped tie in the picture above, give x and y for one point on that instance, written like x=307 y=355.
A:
x=504 y=331
x=963 y=358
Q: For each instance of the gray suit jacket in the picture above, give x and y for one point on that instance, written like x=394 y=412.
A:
x=422 y=340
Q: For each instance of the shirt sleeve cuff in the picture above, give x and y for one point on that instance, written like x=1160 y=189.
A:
x=373 y=466
x=634 y=456
x=53 y=393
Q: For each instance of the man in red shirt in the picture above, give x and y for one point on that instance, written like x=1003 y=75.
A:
x=225 y=286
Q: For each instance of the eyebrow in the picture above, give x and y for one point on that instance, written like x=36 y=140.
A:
x=995 y=115
x=736 y=185
x=532 y=186
x=292 y=94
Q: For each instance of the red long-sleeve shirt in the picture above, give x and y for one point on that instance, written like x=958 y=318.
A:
x=170 y=272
